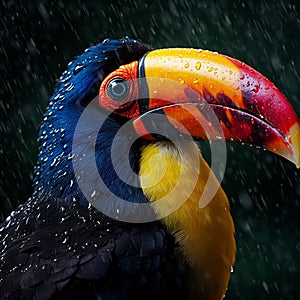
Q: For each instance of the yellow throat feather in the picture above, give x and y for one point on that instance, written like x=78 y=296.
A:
x=205 y=235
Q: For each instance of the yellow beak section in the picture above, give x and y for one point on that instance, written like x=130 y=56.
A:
x=200 y=70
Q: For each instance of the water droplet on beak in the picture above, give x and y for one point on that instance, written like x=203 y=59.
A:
x=198 y=65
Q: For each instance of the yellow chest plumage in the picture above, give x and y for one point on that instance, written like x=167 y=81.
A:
x=205 y=235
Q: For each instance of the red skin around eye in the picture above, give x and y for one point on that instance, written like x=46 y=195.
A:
x=128 y=107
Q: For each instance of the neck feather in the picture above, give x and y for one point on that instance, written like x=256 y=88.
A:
x=204 y=235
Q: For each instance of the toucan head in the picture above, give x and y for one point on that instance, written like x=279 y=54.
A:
x=192 y=89
x=198 y=93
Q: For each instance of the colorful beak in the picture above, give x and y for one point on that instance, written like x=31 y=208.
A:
x=194 y=88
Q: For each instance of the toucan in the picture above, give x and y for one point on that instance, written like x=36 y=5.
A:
x=124 y=205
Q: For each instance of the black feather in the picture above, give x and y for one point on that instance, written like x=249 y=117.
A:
x=56 y=245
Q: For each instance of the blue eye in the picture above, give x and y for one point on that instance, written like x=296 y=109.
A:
x=118 y=89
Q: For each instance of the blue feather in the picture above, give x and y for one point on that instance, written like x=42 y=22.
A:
x=78 y=85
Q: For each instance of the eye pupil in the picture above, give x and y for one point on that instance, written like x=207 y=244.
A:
x=118 y=89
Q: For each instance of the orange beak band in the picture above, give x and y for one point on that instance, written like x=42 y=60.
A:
x=211 y=96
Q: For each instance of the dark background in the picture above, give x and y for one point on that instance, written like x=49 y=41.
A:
x=38 y=39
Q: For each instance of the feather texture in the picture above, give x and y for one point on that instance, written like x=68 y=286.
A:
x=78 y=251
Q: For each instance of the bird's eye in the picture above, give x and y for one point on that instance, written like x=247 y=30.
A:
x=118 y=89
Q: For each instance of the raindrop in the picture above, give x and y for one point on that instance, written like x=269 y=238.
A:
x=198 y=65
x=54 y=163
x=265 y=286
x=70 y=157
x=78 y=68
x=70 y=87
x=65 y=76
x=186 y=65
x=256 y=88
